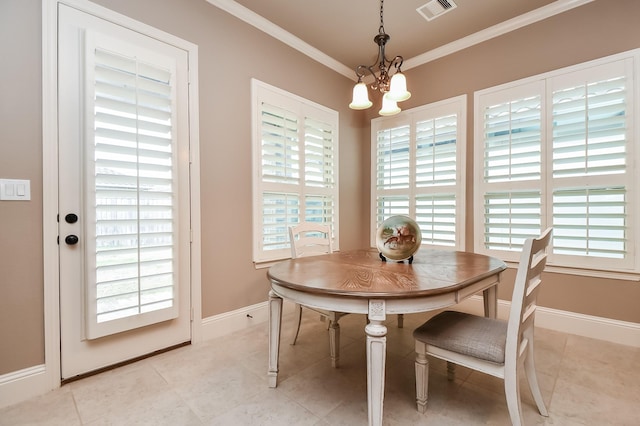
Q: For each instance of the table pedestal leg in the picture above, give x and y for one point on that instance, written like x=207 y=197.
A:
x=376 y=359
x=275 y=320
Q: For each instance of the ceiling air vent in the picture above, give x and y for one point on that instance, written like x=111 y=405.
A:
x=435 y=8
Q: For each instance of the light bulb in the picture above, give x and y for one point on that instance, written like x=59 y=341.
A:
x=389 y=106
x=360 y=97
x=398 y=90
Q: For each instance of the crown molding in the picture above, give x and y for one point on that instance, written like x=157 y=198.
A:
x=502 y=28
x=286 y=37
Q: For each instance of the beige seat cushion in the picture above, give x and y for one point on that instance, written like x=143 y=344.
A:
x=466 y=334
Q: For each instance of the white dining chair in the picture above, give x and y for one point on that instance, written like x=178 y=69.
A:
x=312 y=239
x=492 y=346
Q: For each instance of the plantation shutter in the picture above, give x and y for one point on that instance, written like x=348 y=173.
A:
x=591 y=221
x=392 y=205
x=417 y=170
x=319 y=154
x=295 y=151
x=511 y=168
x=280 y=150
x=436 y=179
x=558 y=151
x=131 y=199
x=320 y=172
x=280 y=159
x=510 y=218
x=590 y=160
x=392 y=172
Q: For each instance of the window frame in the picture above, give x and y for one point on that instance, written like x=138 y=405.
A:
x=456 y=105
x=548 y=184
x=302 y=108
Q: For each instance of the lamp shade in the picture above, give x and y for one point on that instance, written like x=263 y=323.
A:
x=398 y=89
x=389 y=106
x=360 y=97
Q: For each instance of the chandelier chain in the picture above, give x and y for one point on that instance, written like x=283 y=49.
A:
x=381 y=29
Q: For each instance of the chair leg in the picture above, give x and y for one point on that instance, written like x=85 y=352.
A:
x=400 y=320
x=451 y=371
x=334 y=342
x=512 y=393
x=422 y=376
x=530 y=369
x=299 y=315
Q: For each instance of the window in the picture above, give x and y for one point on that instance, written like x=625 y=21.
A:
x=295 y=156
x=558 y=150
x=133 y=179
x=418 y=159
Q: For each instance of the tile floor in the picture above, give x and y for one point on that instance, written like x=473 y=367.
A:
x=223 y=382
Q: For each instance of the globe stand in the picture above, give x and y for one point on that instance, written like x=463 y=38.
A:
x=384 y=259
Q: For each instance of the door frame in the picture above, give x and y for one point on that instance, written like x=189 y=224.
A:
x=51 y=268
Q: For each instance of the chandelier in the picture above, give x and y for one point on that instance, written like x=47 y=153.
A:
x=393 y=88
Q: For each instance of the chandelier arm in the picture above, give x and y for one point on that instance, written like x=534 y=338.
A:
x=361 y=68
x=396 y=62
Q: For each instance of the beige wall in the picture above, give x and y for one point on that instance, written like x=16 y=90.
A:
x=21 y=286
x=230 y=54
x=598 y=29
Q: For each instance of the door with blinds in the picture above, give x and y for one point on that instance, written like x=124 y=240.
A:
x=124 y=230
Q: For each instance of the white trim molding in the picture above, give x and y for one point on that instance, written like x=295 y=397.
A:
x=502 y=28
x=51 y=270
x=609 y=330
x=606 y=329
x=21 y=385
x=277 y=32
x=239 y=319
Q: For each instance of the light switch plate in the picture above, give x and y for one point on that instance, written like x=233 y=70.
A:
x=15 y=190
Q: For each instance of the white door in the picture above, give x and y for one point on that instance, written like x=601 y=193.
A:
x=124 y=230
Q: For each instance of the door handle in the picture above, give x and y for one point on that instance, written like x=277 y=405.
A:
x=71 y=239
x=71 y=218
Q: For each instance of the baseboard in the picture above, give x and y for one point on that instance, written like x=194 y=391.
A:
x=622 y=332
x=30 y=382
x=229 y=322
x=23 y=384
x=614 y=331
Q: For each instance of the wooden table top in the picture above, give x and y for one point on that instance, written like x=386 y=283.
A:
x=361 y=273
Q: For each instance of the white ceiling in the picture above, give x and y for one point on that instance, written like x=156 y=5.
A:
x=340 y=33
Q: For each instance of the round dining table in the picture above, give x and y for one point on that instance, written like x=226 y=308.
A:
x=361 y=282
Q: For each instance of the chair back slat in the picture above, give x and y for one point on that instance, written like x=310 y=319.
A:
x=525 y=292
x=528 y=317
x=310 y=239
x=533 y=285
